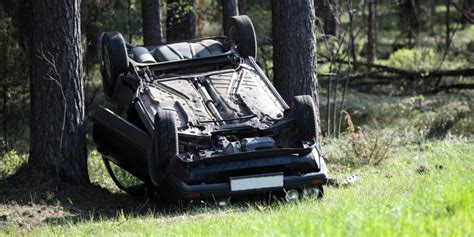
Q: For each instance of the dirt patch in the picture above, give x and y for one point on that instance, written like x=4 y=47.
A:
x=30 y=198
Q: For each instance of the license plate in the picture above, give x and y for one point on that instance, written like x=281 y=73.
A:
x=256 y=182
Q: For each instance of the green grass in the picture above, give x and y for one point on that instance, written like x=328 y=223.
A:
x=392 y=199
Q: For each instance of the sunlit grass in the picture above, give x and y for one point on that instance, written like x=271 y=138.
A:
x=392 y=199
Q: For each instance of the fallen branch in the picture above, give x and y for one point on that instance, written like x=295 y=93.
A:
x=412 y=74
x=454 y=86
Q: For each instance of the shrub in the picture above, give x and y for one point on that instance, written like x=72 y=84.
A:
x=361 y=150
x=414 y=59
x=10 y=162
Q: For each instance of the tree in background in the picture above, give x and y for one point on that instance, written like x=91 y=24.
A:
x=372 y=31
x=329 y=13
x=58 y=141
x=151 y=22
x=230 y=8
x=410 y=20
x=294 y=50
x=180 y=20
x=92 y=12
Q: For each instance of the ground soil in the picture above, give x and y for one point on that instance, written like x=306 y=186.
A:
x=30 y=198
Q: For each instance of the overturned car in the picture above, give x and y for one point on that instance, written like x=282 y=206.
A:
x=200 y=120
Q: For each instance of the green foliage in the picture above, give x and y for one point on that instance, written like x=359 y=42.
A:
x=10 y=162
x=414 y=59
x=454 y=118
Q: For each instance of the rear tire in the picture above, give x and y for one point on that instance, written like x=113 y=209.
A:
x=114 y=60
x=164 y=144
x=305 y=115
x=242 y=32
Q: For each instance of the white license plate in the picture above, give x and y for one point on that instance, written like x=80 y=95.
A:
x=256 y=182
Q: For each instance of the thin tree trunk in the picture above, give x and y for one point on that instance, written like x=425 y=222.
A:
x=294 y=51
x=230 y=8
x=5 y=75
x=372 y=31
x=180 y=20
x=93 y=34
x=130 y=32
x=242 y=6
x=329 y=12
x=56 y=90
x=151 y=22
x=448 y=28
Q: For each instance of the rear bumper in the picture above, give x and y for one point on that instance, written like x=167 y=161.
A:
x=174 y=188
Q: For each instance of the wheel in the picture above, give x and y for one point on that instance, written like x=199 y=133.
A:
x=305 y=115
x=164 y=144
x=114 y=60
x=242 y=32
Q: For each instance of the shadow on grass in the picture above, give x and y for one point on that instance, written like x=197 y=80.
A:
x=29 y=199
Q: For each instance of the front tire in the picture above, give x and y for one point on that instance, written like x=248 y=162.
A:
x=164 y=144
x=114 y=60
x=242 y=32
x=305 y=115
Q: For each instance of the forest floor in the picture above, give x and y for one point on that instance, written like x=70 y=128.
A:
x=424 y=186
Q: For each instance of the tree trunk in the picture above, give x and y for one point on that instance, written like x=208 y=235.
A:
x=56 y=89
x=230 y=8
x=448 y=28
x=242 y=6
x=372 y=31
x=180 y=20
x=151 y=22
x=92 y=17
x=294 y=51
x=329 y=12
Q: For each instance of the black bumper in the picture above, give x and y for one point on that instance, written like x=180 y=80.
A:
x=179 y=186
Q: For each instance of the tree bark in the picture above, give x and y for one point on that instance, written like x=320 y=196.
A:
x=448 y=28
x=56 y=89
x=230 y=8
x=372 y=31
x=151 y=22
x=294 y=51
x=242 y=7
x=329 y=12
x=92 y=16
x=180 y=20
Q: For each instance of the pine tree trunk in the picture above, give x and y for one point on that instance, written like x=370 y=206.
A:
x=329 y=12
x=372 y=31
x=180 y=20
x=151 y=22
x=294 y=51
x=448 y=28
x=230 y=8
x=93 y=34
x=56 y=85
x=242 y=7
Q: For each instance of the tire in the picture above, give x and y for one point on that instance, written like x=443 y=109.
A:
x=164 y=144
x=305 y=115
x=114 y=60
x=242 y=32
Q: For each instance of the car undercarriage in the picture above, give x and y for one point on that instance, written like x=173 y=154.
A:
x=199 y=119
